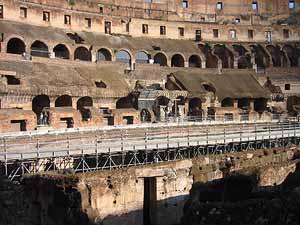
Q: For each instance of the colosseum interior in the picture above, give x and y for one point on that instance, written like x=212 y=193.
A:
x=75 y=63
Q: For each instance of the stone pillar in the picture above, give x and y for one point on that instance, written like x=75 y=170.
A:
x=186 y=64
x=236 y=62
x=94 y=56
x=235 y=103
x=181 y=110
x=203 y=64
x=251 y=105
x=162 y=113
x=219 y=66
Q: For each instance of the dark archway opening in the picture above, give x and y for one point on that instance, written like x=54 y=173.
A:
x=292 y=54
x=195 y=107
x=160 y=59
x=177 y=61
x=260 y=105
x=195 y=61
x=225 y=55
x=15 y=46
x=63 y=101
x=129 y=101
x=104 y=55
x=211 y=60
x=244 y=103
x=227 y=102
x=82 y=54
x=145 y=115
x=39 y=103
x=83 y=106
x=142 y=58
x=123 y=57
x=61 y=51
x=39 y=49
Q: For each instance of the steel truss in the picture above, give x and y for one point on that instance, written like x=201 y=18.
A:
x=108 y=161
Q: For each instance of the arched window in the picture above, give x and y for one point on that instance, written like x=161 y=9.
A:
x=177 y=61
x=61 y=51
x=195 y=61
x=84 y=102
x=227 y=102
x=160 y=59
x=104 y=55
x=15 y=46
x=39 y=103
x=142 y=57
x=39 y=49
x=63 y=101
x=82 y=54
x=123 y=57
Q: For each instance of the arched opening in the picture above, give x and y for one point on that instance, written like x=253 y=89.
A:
x=195 y=107
x=293 y=102
x=146 y=115
x=39 y=49
x=178 y=108
x=129 y=101
x=244 y=103
x=211 y=60
x=162 y=107
x=227 y=102
x=15 y=46
x=292 y=54
x=123 y=57
x=262 y=59
x=39 y=103
x=244 y=59
x=275 y=54
x=260 y=105
x=160 y=59
x=177 y=61
x=83 y=54
x=63 y=101
x=142 y=57
x=83 y=105
x=103 y=55
x=195 y=61
x=61 y=51
x=244 y=62
x=225 y=55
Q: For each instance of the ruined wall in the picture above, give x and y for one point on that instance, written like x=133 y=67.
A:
x=152 y=194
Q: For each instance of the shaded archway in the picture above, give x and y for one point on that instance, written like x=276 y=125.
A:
x=145 y=115
x=39 y=49
x=195 y=61
x=160 y=59
x=83 y=105
x=129 y=101
x=225 y=55
x=61 y=51
x=195 y=107
x=244 y=103
x=227 y=102
x=292 y=54
x=244 y=58
x=177 y=61
x=262 y=59
x=103 y=55
x=83 y=54
x=84 y=102
x=39 y=103
x=260 y=105
x=276 y=54
x=63 y=101
x=211 y=59
x=123 y=57
x=142 y=57
x=15 y=46
x=292 y=103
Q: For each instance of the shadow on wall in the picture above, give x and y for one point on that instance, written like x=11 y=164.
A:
x=42 y=200
x=238 y=199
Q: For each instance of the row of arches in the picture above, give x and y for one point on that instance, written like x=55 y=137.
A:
x=243 y=56
x=259 y=104
x=40 y=49
x=42 y=101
